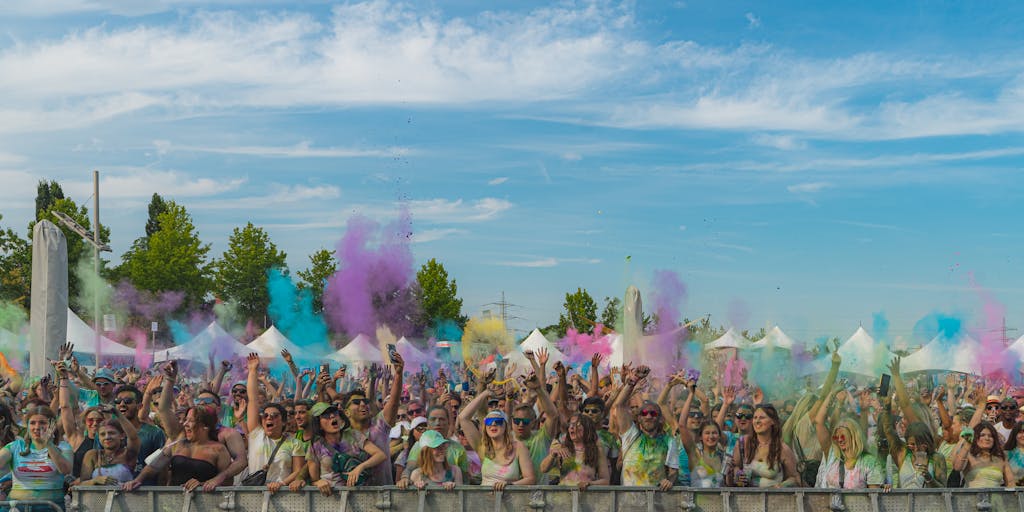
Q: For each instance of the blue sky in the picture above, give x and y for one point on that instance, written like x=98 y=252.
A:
x=796 y=163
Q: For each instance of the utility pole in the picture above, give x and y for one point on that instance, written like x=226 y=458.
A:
x=96 y=259
x=504 y=307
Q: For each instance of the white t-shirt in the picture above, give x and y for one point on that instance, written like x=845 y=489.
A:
x=260 y=448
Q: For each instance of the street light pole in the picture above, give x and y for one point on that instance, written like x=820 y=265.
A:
x=96 y=260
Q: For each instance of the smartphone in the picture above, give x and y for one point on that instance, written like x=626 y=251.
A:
x=392 y=351
x=325 y=368
x=883 y=386
x=465 y=386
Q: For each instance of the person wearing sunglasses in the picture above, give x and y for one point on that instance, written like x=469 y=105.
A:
x=416 y=429
x=360 y=409
x=594 y=408
x=524 y=418
x=1007 y=418
x=649 y=458
x=847 y=464
x=151 y=438
x=504 y=461
x=267 y=437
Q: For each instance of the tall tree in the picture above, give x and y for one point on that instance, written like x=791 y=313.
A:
x=322 y=266
x=15 y=267
x=47 y=193
x=157 y=205
x=438 y=295
x=610 y=313
x=241 y=273
x=173 y=259
x=580 y=312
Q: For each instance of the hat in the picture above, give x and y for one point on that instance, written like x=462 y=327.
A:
x=496 y=414
x=320 y=408
x=398 y=429
x=432 y=439
x=1009 y=400
x=104 y=373
x=417 y=421
x=992 y=399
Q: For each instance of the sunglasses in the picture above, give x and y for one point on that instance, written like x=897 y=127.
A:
x=592 y=410
x=839 y=437
x=274 y=416
x=403 y=416
x=239 y=391
x=991 y=407
x=421 y=428
x=204 y=401
x=493 y=403
x=359 y=401
x=434 y=421
x=413 y=412
x=696 y=415
x=128 y=401
x=521 y=421
x=496 y=422
x=330 y=415
x=741 y=416
x=1008 y=407
x=652 y=414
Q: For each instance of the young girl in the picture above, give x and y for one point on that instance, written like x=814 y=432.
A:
x=112 y=463
x=434 y=467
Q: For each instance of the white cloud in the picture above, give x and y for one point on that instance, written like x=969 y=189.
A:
x=10 y=158
x=735 y=247
x=458 y=211
x=277 y=194
x=433 y=235
x=752 y=20
x=548 y=262
x=300 y=150
x=141 y=183
x=498 y=181
x=785 y=142
x=808 y=188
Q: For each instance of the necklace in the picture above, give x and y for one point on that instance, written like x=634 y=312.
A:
x=108 y=458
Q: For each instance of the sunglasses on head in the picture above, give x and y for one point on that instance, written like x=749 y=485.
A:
x=495 y=422
x=742 y=416
x=650 y=413
x=119 y=401
x=521 y=421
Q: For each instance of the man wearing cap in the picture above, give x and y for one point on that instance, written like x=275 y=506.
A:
x=99 y=389
x=376 y=427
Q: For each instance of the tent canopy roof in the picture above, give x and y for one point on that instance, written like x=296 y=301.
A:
x=731 y=339
x=84 y=338
x=958 y=354
x=536 y=341
x=774 y=339
x=360 y=350
x=272 y=341
x=211 y=340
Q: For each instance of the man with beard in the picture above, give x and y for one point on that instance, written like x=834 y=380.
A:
x=151 y=438
x=377 y=428
x=648 y=455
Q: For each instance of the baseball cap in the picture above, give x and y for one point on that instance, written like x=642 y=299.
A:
x=432 y=439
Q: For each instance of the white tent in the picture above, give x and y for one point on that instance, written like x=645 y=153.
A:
x=618 y=353
x=1016 y=349
x=359 y=352
x=774 y=339
x=211 y=340
x=861 y=355
x=84 y=338
x=959 y=355
x=536 y=341
x=272 y=341
x=411 y=353
x=522 y=364
x=731 y=339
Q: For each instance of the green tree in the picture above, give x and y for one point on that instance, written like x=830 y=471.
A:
x=241 y=273
x=610 y=313
x=157 y=205
x=173 y=258
x=438 y=295
x=580 y=312
x=322 y=266
x=15 y=267
x=46 y=195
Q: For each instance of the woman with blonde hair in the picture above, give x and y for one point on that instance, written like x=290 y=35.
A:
x=504 y=460
x=847 y=463
x=434 y=467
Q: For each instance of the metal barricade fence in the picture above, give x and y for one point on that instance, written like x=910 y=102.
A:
x=23 y=505
x=545 y=499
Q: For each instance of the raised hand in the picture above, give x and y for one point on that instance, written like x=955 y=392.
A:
x=287 y=356
x=542 y=356
x=171 y=370
x=253 y=361
x=758 y=395
x=894 y=366
x=729 y=394
x=398 y=363
x=595 y=361
x=65 y=351
x=560 y=369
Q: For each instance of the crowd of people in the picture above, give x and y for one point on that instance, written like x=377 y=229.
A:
x=422 y=428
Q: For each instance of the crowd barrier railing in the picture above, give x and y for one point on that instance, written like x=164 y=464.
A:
x=22 y=505
x=546 y=498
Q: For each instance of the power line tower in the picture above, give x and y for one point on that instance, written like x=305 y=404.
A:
x=504 y=307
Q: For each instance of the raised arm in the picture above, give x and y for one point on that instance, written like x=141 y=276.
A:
x=830 y=381
x=466 y=417
x=294 y=371
x=685 y=436
x=537 y=384
x=902 y=397
x=167 y=417
x=218 y=378
x=820 y=429
x=663 y=399
x=623 y=418
x=595 y=377
x=395 y=393
x=728 y=396
x=67 y=413
x=252 y=402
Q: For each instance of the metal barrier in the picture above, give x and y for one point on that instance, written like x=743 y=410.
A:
x=17 y=504
x=548 y=498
